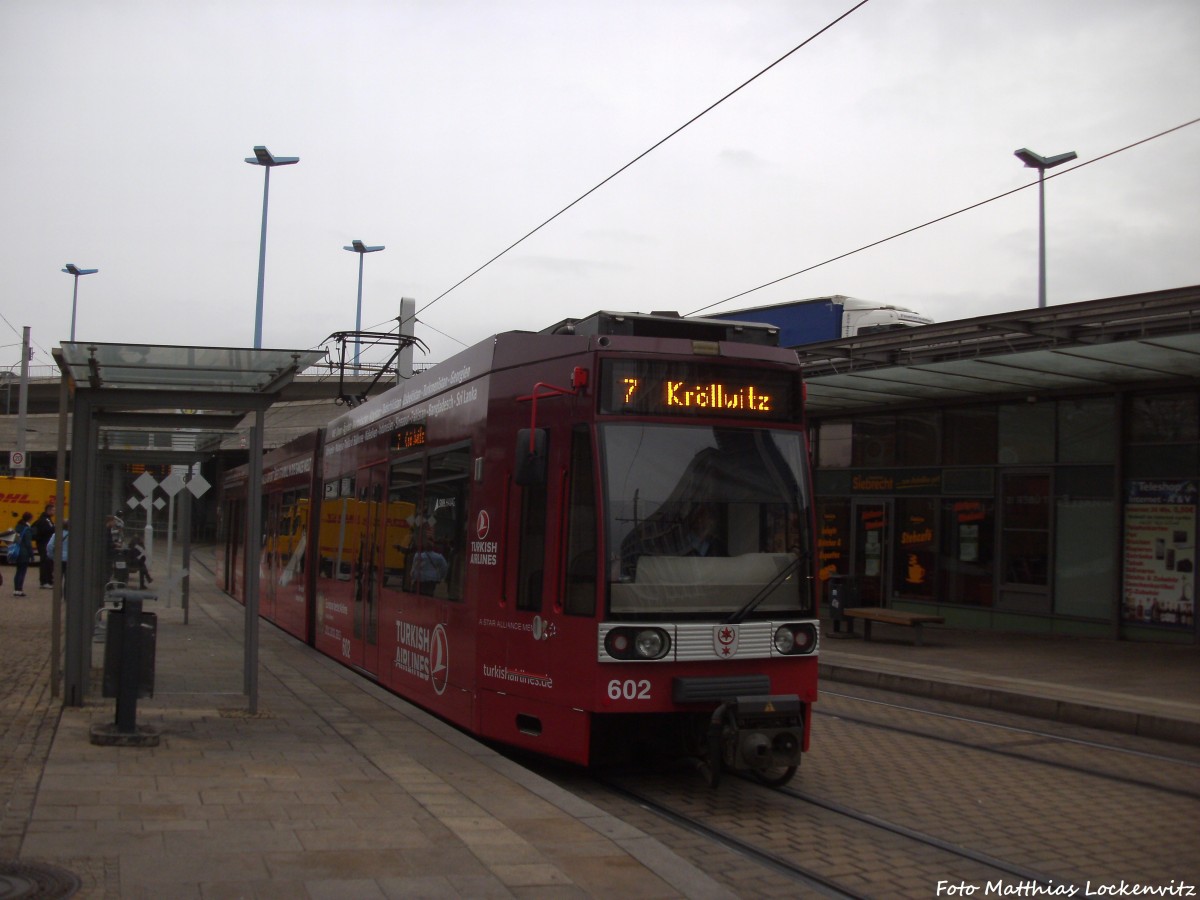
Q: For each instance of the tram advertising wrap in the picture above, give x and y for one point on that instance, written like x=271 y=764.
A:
x=587 y=545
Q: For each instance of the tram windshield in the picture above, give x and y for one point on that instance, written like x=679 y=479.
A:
x=705 y=520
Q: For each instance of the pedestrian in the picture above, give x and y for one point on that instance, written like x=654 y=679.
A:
x=137 y=558
x=66 y=545
x=24 y=540
x=43 y=530
x=429 y=565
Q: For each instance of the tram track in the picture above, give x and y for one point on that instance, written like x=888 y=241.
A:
x=1038 y=739
x=811 y=875
x=802 y=875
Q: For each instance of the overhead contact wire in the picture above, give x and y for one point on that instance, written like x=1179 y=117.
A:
x=644 y=154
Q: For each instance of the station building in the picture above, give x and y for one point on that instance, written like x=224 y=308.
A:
x=1034 y=471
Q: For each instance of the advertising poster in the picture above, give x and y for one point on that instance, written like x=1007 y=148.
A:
x=1160 y=553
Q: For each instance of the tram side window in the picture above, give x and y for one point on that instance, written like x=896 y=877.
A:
x=580 y=594
x=335 y=538
x=400 y=533
x=293 y=526
x=531 y=562
x=446 y=514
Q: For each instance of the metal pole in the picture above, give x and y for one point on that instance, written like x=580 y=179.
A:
x=253 y=557
x=1041 y=238
x=408 y=327
x=74 y=304
x=23 y=401
x=60 y=509
x=262 y=261
x=185 y=535
x=358 y=313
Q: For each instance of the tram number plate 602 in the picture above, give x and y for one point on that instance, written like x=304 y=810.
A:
x=629 y=689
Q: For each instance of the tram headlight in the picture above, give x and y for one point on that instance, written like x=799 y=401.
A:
x=637 y=643
x=650 y=643
x=795 y=639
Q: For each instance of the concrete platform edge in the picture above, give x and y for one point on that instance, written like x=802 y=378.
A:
x=680 y=874
x=1055 y=709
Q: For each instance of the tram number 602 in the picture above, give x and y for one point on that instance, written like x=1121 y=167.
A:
x=629 y=690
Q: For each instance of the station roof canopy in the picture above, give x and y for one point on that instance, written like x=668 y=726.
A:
x=1133 y=341
x=175 y=398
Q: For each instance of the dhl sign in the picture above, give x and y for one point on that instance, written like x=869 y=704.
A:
x=19 y=495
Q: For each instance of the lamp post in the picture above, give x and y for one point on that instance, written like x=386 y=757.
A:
x=72 y=269
x=1042 y=163
x=262 y=157
x=362 y=250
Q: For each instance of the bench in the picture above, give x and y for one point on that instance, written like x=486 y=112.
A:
x=870 y=614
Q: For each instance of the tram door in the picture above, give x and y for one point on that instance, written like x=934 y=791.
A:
x=368 y=565
x=234 y=512
x=872 y=550
x=268 y=570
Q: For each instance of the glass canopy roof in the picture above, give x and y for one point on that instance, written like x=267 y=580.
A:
x=173 y=400
x=1099 y=344
x=169 y=368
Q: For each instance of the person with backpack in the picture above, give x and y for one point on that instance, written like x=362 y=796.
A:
x=66 y=544
x=24 y=554
x=43 y=530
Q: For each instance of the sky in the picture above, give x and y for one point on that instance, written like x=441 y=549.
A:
x=446 y=131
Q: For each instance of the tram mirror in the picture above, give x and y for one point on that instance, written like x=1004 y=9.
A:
x=531 y=456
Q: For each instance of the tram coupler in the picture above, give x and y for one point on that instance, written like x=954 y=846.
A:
x=759 y=734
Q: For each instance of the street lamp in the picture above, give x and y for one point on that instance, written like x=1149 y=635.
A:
x=362 y=250
x=1042 y=163
x=73 y=269
x=262 y=157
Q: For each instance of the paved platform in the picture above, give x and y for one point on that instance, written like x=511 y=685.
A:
x=338 y=789
x=1149 y=689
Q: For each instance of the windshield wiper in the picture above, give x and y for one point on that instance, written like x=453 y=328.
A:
x=752 y=604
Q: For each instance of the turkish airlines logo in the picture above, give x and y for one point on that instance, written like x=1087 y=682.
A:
x=483 y=524
x=725 y=641
x=439 y=660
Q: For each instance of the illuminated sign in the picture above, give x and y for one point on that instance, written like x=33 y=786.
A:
x=658 y=388
x=411 y=435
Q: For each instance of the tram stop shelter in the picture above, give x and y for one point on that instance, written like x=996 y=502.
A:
x=151 y=405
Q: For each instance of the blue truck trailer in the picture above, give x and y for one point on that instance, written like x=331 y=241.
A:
x=827 y=318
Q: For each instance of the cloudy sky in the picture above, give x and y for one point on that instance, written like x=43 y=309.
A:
x=448 y=130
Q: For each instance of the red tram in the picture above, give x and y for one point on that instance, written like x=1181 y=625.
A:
x=579 y=542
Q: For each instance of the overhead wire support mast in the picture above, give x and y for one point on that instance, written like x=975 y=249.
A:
x=371 y=339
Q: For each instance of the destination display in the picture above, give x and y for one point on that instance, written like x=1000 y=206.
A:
x=645 y=387
x=411 y=435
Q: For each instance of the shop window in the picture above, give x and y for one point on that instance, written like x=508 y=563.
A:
x=1025 y=534
x=966 y=571
x=1085 y=575
x=833 y=445
x=918 y=441
x=916 y=553
x=969 y=436
x=1162 y=436
x=1026 y=433
x=1165 y=419
x=1086 y=431
x=875 y=442
x=833 y=537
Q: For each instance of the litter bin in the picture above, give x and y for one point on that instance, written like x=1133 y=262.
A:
x=841 y=594
x=129 y=651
